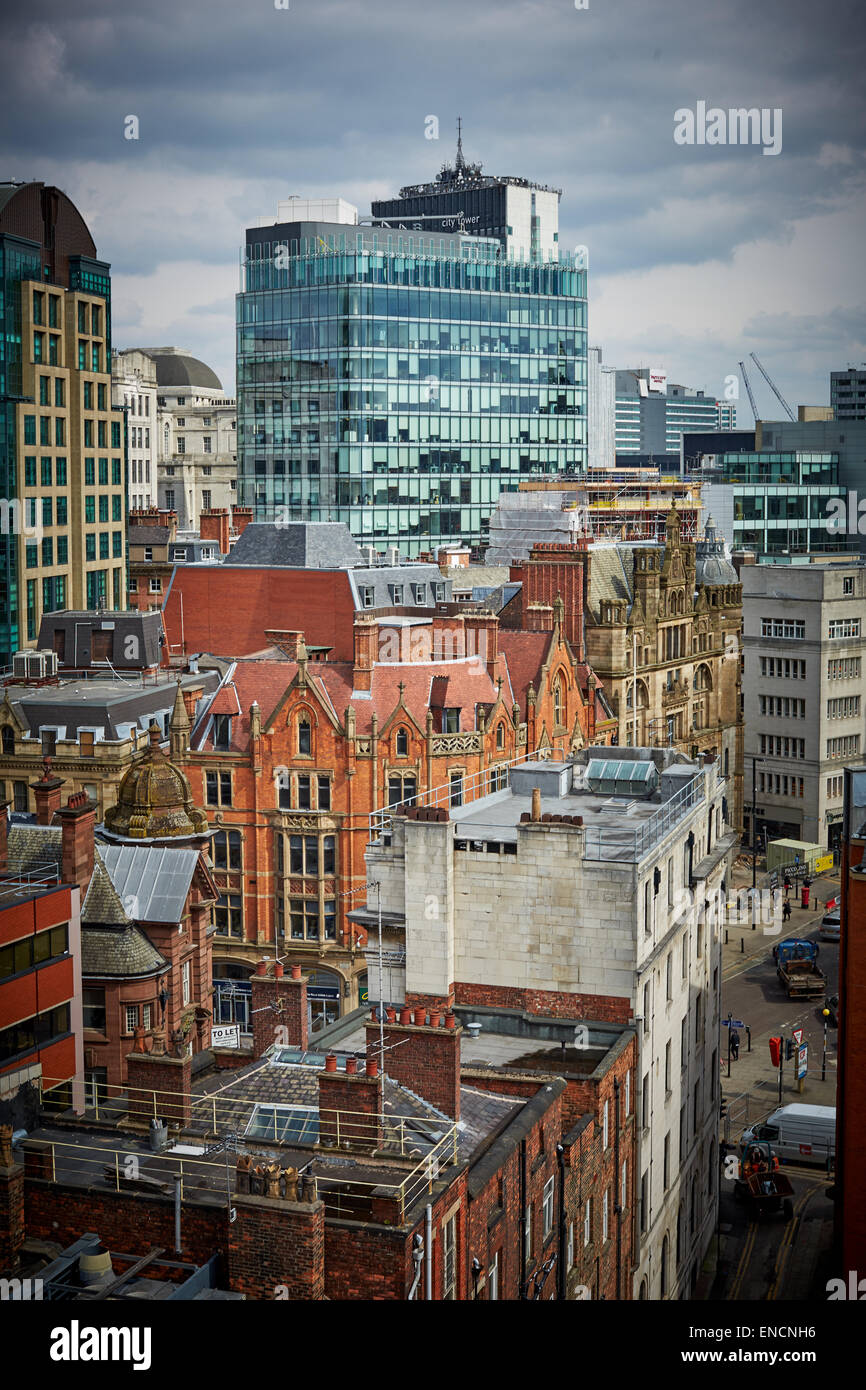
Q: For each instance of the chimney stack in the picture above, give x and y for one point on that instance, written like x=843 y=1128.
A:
x=47 y=794
x=214 y=526
x=241 y=518
x=423 y=1057
x=349 y=1112
x=77 y=819
x=366 y=633
x=278 y=1007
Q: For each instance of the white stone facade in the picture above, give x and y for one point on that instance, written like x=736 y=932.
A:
x=568 y=909
x=133 y=387
x=804 y=683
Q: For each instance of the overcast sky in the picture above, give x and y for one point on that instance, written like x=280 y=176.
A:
x=698 y=254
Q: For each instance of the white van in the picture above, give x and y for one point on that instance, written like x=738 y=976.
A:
x=804 y=1133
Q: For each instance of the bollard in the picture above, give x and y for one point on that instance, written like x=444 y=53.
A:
x=726 y=936
x=742 y=944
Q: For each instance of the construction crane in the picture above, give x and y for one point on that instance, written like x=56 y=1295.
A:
x=749 y=390
x=773 y=387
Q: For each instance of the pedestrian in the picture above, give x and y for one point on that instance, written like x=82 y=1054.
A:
x=787 y=887
x=786 y=911
x=735 y=1044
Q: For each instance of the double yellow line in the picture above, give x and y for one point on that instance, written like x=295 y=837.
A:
x=791 y=1227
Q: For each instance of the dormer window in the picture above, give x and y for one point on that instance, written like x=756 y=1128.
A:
x=366 y=595
x=305 y=737
x=396 y=593
x=222 y=732
x=8 y=739
x=451 y=721
x=402 y=744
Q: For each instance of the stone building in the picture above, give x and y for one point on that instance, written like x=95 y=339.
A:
x=665 y=618
x=579 y=892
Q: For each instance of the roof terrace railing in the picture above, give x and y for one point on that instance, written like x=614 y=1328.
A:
x=494 y=778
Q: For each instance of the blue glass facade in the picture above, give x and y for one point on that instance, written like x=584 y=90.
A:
x=400 y=389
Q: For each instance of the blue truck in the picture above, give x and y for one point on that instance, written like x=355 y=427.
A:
x=798 y=969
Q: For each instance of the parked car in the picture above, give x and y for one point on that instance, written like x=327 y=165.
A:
x=831 y=926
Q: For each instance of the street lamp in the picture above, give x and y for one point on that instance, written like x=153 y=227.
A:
x=826 y=1013
x=754 y=826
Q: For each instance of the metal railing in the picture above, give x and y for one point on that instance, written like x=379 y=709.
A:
x=623 y=842
x=39 y=872
x=496 y=777
x=385 y=1139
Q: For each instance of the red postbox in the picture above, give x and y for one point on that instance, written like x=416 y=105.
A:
x=775 y=1050
x=804 y=895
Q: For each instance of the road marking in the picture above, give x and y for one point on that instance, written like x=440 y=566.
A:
x=746 y=1255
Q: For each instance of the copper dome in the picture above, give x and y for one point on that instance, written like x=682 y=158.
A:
x=154 y=800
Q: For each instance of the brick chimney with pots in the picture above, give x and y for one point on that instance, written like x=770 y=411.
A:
x=77 y=819
x=349 y=1110
x=214 y=526
x=241 y=518
x=425 y=1057
x=278 y=1007
x=482 y=639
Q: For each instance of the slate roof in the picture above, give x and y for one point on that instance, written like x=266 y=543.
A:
x=149 y=535
x=32 y=847
x=102 y=905
x=611 y=576
x=296 y=545
x=124 y=951
x=262 y=1083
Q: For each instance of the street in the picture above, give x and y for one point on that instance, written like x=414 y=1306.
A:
x=771 y=1258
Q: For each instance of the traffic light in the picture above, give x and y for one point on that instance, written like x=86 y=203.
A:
x=775 y=1050
x=789 y=1049
x=723 y=1108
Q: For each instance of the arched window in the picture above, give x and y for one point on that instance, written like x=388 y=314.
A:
x=402 y=743
x=8 y=737
x=500 y=734
x=305 y=735
x=703 y=678
x=558 y=701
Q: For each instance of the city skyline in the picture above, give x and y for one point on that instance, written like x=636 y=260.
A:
x=697 y=255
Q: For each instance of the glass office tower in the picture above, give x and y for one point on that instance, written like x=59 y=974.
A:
x=400 y=382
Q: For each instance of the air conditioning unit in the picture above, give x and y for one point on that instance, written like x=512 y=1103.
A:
x=51 y=660
x=21 y=664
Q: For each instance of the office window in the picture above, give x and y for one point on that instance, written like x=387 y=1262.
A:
x=185 y=976
x=792 y=630
x=228 y=914
x=324 y=792
x=587 y=1221
x=841 y=628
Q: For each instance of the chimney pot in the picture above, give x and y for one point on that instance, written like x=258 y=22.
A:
x=296 y=972
x=351 y=1066
x=536 y=803
x=331 y=1062
x=406 y=1015
x=372 y=1067
x=262 y=968
x=435 y=1015
x=450 y=1021
x=420 y=1017
x=278 y=970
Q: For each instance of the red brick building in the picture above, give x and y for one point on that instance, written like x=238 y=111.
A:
x=353 y=1184
x=40 y=973
x=291 y=757
x=147 y=894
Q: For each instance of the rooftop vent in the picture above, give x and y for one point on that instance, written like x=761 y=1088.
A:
x=618 y=805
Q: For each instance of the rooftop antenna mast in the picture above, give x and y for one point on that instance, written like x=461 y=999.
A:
x=461 y=162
